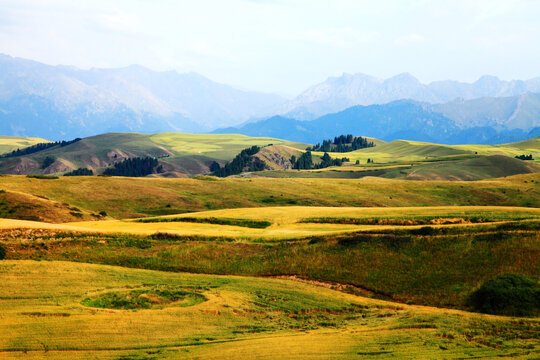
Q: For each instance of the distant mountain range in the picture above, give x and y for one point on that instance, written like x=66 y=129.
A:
x=62 y=102
x=481 y=121
x=338 y=93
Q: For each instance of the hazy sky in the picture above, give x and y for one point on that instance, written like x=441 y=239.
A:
x=281 y=45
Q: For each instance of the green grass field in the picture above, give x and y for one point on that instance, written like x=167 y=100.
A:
x=43 y=317
x=10 y=143
x=407 y=151
x=455 y=168
x=139 y=197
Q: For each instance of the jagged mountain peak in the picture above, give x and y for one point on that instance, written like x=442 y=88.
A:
x=338 y=93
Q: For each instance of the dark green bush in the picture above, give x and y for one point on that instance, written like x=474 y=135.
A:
x=425 y=230
x=509 y=294
x=80 y=172
x=2 y=252
x=42 y=177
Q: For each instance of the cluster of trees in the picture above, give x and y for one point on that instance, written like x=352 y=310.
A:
x=525 y=157
x=245 y=161
x=327 y=161
x=305 y=161
x=37 y=147
x=134 y=167
x=342 y=143
x=48 y=161
x=80 y=172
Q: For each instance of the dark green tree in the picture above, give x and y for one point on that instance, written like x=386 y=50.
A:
x=48 y=161
x=215 y=166
x=244 y=161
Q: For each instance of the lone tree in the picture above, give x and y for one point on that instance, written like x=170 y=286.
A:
x=215 y=166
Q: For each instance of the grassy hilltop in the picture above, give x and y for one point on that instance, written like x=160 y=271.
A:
x=10 y=143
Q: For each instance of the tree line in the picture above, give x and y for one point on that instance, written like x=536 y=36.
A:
x=37 y=147
x=305 y=161
x=244 y=161
x=342 y=143
x=134 y=167
x=525 y=157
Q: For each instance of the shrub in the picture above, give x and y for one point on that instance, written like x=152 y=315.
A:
x=80 y=172
x=509 y=294
x=2 y=252
x=425 y=230
x=42 y=177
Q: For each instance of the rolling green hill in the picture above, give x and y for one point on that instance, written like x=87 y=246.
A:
x=404 y=150
x=178 y=153
x=183 y=155
x=459 y=168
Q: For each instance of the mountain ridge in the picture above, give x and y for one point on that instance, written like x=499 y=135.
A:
x=62 y=102
x=337 y=93
x=132 y=98
x=458 y=122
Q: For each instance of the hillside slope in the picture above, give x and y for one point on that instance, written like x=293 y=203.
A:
x=25 y=206
x=178 y=153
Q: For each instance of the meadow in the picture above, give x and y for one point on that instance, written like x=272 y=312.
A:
x=407 y=151
x=243 y=317
x=437 y=265
x=294 y=222
x=122 y=198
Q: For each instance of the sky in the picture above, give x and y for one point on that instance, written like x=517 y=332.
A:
x=281 y=46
